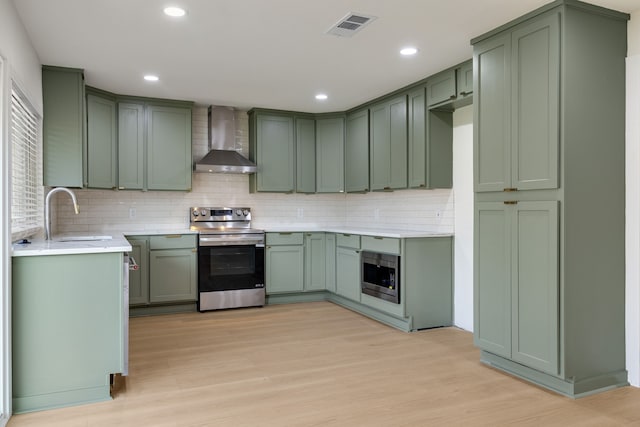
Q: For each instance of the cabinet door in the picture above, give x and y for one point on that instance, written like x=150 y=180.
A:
x=130 y=146
x=102 y=140
x=535 y=87
x=492 y=278
x=63 y=127
x=284 y=269
x=275 y=153
x=330 y=155
x=173 y=275
x=492 y=114
x=306 y=155
x=417 y=139
x=330 y=262
x=139 y=279
x=441 y=87
x=388 y=144
x=464 y=79
x=348 y=273
x=314 y=262
x=356 y=152
x=168 y=148
x=440 y=149
x=535 y=285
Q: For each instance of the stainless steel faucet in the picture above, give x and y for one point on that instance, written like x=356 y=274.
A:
x=47 y=208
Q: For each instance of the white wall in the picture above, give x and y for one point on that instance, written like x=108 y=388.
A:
x=463 y=213
x=18 y=61
x=632 y=298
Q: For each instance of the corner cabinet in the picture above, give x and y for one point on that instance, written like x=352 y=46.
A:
x=330 y=155
x=63 y=127
x=305 y=154
x=314 y=262
x=356 y=152
x=549 y=285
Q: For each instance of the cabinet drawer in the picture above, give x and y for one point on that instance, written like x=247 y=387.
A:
x=172 y=241
x=284 y=238
x=389 y=245
x=348 y=240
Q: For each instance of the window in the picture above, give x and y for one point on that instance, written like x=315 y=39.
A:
x=26 y=168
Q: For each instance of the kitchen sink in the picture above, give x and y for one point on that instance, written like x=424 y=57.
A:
x=83 y=238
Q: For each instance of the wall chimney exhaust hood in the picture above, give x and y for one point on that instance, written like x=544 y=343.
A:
x=223 y=156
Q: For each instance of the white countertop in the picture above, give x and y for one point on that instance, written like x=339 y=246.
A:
x=377 y=232
x=40 y=247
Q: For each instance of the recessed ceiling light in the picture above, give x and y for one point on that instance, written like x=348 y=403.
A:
x=151 y=78
x=408 y=51
x=321 y=97
x=174 y=11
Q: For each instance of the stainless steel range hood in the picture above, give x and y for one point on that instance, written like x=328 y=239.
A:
x=223 y=156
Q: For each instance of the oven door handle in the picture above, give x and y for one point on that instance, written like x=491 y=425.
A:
x=217 y=241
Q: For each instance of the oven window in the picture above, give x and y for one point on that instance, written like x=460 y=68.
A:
x=230 y=267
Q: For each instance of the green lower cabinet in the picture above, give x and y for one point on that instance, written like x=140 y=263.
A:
x=330 y=262
x=314 y=262
x=67 y=329
x=139 y=278
x=173 y=275
x=348 y=273
x=517 y=288
x=284 y=268
x=166 y=280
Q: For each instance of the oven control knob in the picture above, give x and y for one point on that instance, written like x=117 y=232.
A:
x=245 y=212
x=203 y=212
x=195 y=213
x=238 y=212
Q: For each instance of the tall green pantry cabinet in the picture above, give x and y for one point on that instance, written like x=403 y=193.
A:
x=549 y=111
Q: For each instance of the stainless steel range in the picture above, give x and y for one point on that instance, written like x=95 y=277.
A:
x=230 y=258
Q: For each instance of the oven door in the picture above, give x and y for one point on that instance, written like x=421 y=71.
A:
x=230 y=267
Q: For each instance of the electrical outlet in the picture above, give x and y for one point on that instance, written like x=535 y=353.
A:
x=438 y=214
x=132 y=213
x=300 y=213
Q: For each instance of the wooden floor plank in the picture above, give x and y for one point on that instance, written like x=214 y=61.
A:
x=318 y=364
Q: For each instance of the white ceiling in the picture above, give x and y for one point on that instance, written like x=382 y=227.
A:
x=263 y=53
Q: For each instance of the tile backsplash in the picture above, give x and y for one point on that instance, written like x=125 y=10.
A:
x=122 y=211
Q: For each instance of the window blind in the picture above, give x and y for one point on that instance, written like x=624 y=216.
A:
x=26 y=169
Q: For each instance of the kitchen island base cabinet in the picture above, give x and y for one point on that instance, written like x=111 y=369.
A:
x=67 y=328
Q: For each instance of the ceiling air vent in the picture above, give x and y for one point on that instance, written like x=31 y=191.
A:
x=350 y=24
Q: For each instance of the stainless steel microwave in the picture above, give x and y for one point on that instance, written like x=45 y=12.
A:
x=381 y=276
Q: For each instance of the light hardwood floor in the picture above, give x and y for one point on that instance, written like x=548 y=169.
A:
x=318 y=364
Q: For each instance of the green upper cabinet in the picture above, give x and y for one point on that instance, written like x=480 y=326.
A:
x=63 y=127
x=464 y=79
x=305 y=155
x=441 y=87
x=168 y=148
x=272 y=148
x=330 y=155
x=131 y=146
x=388 y=144
x=356 y=152
x=518 y=97
x=102 y=142
x=417 y=139
x=315 y=268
